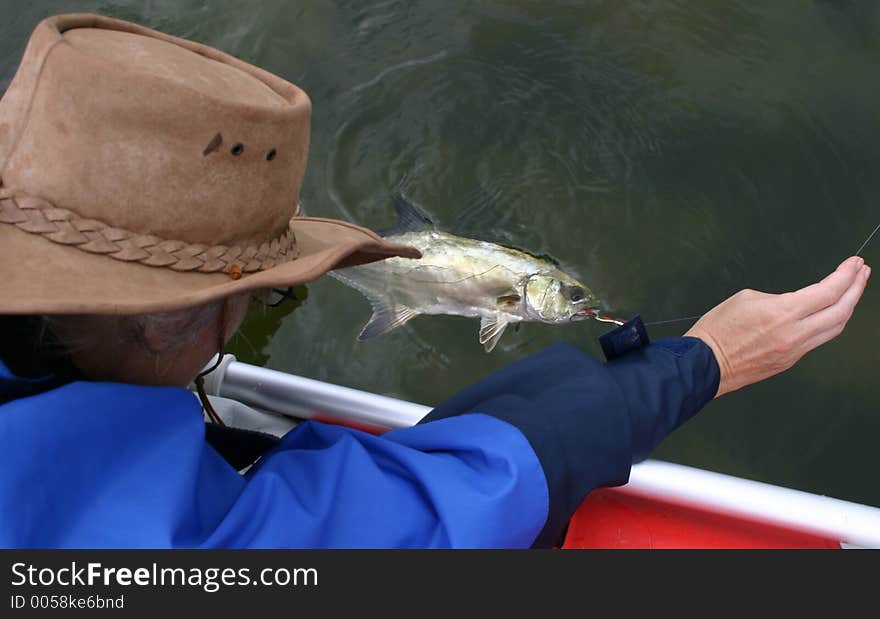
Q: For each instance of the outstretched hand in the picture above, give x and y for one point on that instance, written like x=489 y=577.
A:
x=756 y=335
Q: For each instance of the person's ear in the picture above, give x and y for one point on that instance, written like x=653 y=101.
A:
x=153 y=338
x=236 y=309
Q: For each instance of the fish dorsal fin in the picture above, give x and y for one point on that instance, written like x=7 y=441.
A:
x=410 y=218
x=491 y=330
x=385 y=318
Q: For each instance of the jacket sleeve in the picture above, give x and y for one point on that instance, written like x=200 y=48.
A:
x=504 y=463
x=586 y=421
x=463 y=482
x=106 y=465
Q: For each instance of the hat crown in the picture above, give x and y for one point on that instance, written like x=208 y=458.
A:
x=153 y=134
x=161 y=59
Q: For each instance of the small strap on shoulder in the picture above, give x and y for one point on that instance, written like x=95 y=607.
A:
x=240 y=448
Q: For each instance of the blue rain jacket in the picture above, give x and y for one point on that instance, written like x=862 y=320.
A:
x=502 y=464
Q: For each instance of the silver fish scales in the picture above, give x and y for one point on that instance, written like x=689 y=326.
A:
x=464 y=277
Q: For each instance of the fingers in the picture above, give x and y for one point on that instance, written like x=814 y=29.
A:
x=828 y=323
x=826 y=293
x=821 y=338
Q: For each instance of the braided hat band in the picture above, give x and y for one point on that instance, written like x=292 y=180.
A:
x=37 y=216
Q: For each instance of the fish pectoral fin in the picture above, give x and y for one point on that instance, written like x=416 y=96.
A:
x=507 y=302
x=386 y=318
x=491 y=330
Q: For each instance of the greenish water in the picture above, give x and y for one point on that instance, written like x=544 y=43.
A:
x=668 y=153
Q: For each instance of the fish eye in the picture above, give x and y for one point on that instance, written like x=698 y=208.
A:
x=575 y=294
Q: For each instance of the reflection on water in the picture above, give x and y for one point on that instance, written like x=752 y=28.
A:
x=667 y=153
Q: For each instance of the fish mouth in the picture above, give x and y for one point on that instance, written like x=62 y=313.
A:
x=584 y=314
x=593 y=313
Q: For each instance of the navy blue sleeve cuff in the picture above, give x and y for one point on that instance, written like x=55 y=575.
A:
x=664 y=385
x=584 y=420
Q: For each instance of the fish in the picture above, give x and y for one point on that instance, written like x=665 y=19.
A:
x=461 y=276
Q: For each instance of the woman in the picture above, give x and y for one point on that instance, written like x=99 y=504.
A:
x=148 y=186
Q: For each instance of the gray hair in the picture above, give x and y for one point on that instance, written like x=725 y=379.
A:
x=171 y=325
x=36 y=345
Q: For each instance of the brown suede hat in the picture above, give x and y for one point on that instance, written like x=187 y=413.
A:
x=141 y=173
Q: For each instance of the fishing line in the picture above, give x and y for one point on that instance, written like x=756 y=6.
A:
x=868 y=240
x=455 y=281
x=698 y=316
x=671 y=320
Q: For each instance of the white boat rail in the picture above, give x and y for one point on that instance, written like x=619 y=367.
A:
x=287 y=394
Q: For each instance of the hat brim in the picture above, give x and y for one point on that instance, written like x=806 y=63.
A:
x=43 y=277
